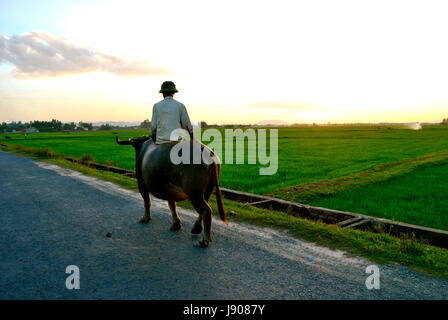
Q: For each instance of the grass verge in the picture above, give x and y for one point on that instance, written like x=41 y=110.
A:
x=379 y=248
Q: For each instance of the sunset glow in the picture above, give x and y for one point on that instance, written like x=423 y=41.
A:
x=232 y=61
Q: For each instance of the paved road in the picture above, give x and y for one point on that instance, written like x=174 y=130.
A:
x=52 y=217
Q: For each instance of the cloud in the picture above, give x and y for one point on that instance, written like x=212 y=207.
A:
x=287 y=105
x=39 y=54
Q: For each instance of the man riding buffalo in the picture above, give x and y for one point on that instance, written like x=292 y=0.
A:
x=169 y=115
x=158 y=175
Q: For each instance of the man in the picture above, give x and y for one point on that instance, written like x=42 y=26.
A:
x=169 y=115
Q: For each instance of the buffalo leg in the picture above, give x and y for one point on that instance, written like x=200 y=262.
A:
x=145 y=195
x=197 y=228
x=208 y=192
x=147 y=215
x=176 y=221
x=205 y=212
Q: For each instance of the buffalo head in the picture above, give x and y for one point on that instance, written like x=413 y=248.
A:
x=136 y=142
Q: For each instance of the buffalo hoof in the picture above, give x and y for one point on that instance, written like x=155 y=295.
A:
x=144 y=220
x=176 y=226
x=203 y=243
x=197 y=229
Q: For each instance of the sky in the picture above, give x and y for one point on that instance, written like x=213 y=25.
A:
x=232 y=61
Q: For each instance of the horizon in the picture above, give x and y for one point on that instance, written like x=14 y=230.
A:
x=294 y=61
x=266 y=123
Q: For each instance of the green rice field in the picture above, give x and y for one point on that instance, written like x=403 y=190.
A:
x=386 y=171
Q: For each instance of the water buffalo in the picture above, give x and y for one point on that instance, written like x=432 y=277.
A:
x=159 y=176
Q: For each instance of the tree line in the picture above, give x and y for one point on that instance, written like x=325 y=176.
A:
x=56 y=125
x=46 y=126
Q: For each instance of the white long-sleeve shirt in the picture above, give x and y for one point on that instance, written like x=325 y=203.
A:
x=167 y=116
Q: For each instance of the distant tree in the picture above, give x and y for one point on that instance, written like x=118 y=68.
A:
x=106 y=127
x=16 y=125
x=85 y=125
x=69 y=126
x=146 y=124
x=444 y=121
x=46 y=126
x=203 y=124
x=56 y=125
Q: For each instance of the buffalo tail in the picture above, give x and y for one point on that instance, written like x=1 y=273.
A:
x=220 y=203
